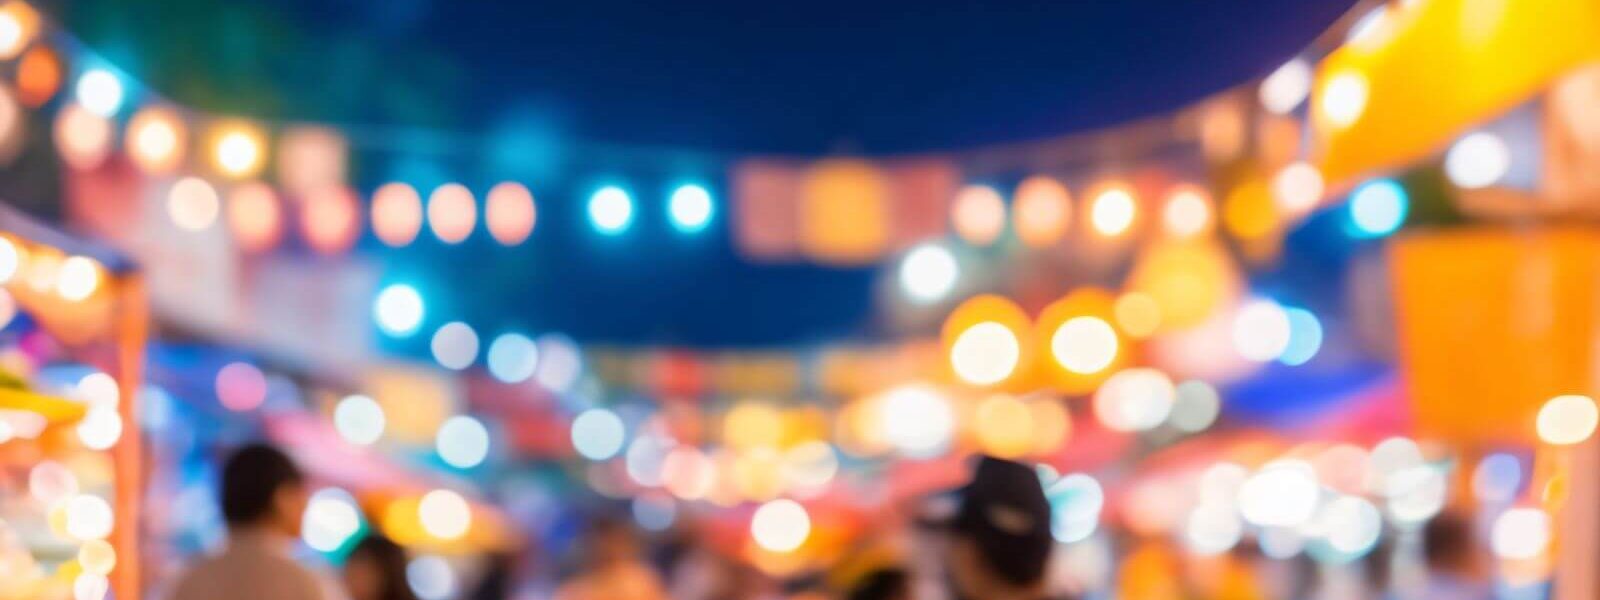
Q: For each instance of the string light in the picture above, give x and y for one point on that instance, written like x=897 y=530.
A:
x=1041 y=211
x=238 y=150
x=254 y=216
x=452 y=213
x=396 y=214
x=978 y=214
x=690 y=208
x=610 y=210
x=510 y=213
x=1113 y=211
x=330 y=219
x=155 y=139
x=192 y=204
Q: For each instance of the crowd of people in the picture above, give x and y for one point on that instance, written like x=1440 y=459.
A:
x=989 y=540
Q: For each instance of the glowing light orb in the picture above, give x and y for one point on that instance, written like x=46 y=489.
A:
x=50 y=482
x=928 y=273
x=1136 y=399
x=1378 y=208
x=1138 y=313
x=1041 y=211
x=444 y=514
x=780 y=526
x=1187 y=212
x=1113 y=211
x=97 y=557
x=89 y=517
x=155 y=140
x=82 y=137
x=78 y=278
x=1282 y=494
x=690 y=208
x=752 y=425
x=89 y=586
x=1520 y=534
x=1261 y=331
x=452 y=213
x=192 y=204
x=18 y=26
x=100 y=428
x=598 y=434
x=455 y=345
x=254 y=216
x=986 y=353
x=1212 y=529
x=330 y=219
x=430 y=578
x=687 y=473
x=1478 y=160
x=1343 y=99
x=11 y=259
x=241 y=387
x=462 y=442
x=917 y=420
x=1283 y=91
x=396 y=214
x=1415 y=494
x=100 y=91
x=654 y=512
x=1076 y=501
x=359 y=420
x=1297 y=188
x=809 y=466
x=978 y=215
x=1567 y=420
x=1084 y=345
x=98 y=390
x=1305 y=337
x=510 y=213
x=1497 y=478
x=1004 y=426
x=513 y=358
x=1350 y=525
x=238 y=151
x=1195 y=406
x=646 y=458
x=398 y=310
x=610 y=210
x=560 y=364
x=330 y=520
x=38 y=74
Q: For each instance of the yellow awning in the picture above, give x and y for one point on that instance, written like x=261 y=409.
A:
x=55 y=410
x=1429 y=70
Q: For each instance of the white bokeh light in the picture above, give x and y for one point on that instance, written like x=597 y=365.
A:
x=444 y=514
x=1477 y=160
x=1261 y=331
x=398 y=310
x=986 y=353
x=1283 y=494
x=610 y=210
x=780 y=526
x=917 y=420
x=513 y=358
x=1136 y=399
x=1084 y=345
x=462 y=441
x=1284 y=90
x=1520 y=533
x=359 y=420
x=430 y=578
x=598 y=434
x=928 y=273
x=100 y=91
x=331 y=519
x=455 y=345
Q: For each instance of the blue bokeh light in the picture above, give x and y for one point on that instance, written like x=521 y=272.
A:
x=690 y=208
x=1378 y=208
x=611 y=210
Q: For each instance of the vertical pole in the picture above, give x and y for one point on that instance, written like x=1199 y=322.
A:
x=1577 y=526
x=127 y=457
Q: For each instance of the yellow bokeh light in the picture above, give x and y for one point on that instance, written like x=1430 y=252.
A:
x=238 y=150
x=982 y=340
x=155 y=140
x=1189 y=281
x=1567 y=420
x=1084 y=348
x=758 y=474
x=1084 y=345
x=1187 y=212
x=1138 y=314
x=1249 y=213
x=752 y=424
x=1041 y=211
x=1004 y=426
x=1051 y=426
x=1113 y=210
x=978 y=215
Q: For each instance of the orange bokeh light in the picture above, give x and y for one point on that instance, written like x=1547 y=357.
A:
x=1108 y=352
x=396 y=214
x=330 y=219
x=452 y=213
x=978 y=215
x=976 y=344
x=38 y=76
x=1041 y=211
x=155 y=139
x=82 y=137
x=509 y=213
x=254 y=216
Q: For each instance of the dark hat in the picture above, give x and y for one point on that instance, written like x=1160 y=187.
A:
x=1004 y=512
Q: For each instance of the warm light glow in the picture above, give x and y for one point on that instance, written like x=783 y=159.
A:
x=690 y=208
x=330 y=219
x=100 y=91
x=98 y=390
x=444 y=514
x=78 y=278
x=310 y=157
x=155 y=140
x=986 y=353
x=100 y=428
x=238 y=151
x=598 y=434
x=509 y=213
x=89 y=517
x=38 y=75
x=452 y=213
x=18 y=26
x=97 y=557
x=192 y=204
x=1297 y=188
x=1284 y=90
x=1138 y=314
x=1261 y=331
x=1567 y=420
x=1478 y=160
x=1282 y=494
x=398 y=310
x=928 y=272
x=88 y=586
x=1136 y=399
x=462 y=442
x=1041 y=210
x=359 y=420
x=82 y=137
x=455 y=345
x=1004 y=426
x=1521 y=534
x=255 y=217
x=241 y=387
x=780 y=526
x=1350 y=525
x=809 y=466
x=513 y=358
x=1084 y=345
x=1378 y=208
x=1187 y=212
x=610 y=210
x=1344 y=98
x=752 y=425
x=917 y=420
x=396 y=214
x=1113 y=211
x=978 y=215
x=1051 y=426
